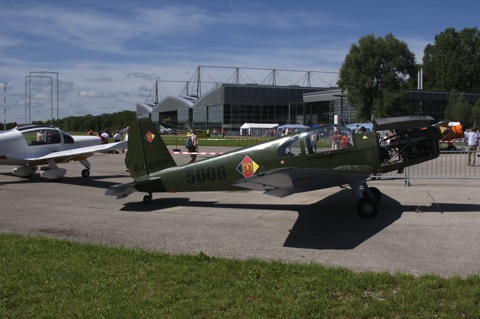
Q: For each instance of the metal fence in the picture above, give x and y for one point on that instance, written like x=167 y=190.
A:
x=450 y=164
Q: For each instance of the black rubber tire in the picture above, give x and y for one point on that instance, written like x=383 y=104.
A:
x=85 y=173
x=367 y=208
x=147 y=199
x=377 y=194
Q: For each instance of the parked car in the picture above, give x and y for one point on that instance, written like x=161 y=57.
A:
x=165 y=130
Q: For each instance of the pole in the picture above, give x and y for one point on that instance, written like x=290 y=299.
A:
x=340 y=115
x=5 y=106
x=51 y=101
x=42 y=74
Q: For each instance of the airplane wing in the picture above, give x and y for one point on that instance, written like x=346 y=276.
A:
x=287 y=181
x=69 y=155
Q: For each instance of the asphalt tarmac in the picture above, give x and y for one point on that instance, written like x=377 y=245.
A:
x=430 y=227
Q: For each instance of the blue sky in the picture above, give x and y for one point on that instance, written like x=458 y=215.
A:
x=108 y=54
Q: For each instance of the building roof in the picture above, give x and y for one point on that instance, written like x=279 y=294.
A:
x=258 y=125
x=173 y=103
x=327 y=95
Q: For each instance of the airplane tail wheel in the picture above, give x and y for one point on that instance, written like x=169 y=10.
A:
x=85 y=173
x=147 y=199
x=377 y=195
x=367 y=208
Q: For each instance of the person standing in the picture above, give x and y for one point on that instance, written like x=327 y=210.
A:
x=192 y=145
x=336 y=138
x=116 y=136
x=125 y=150
x=314 y=140
x=105 y=137
x=472 y=144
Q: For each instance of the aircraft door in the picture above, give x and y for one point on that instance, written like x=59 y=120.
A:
x=53 y=137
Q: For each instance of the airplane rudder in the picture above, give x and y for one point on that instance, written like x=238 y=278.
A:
x=147 y=150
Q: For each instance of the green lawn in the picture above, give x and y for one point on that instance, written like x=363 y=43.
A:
x=238 y=141
x=45 y=278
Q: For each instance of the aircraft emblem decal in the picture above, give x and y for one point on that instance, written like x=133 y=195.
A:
x=149 y=137
x=247 y=167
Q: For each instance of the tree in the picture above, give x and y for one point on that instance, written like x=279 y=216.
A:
x=96 y=123
x=475 y=118
x=458 y=109
x=452 y=63
x=376 y=74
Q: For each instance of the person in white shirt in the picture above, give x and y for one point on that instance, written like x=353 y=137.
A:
x=116 y=137
x=125 y=150
x=105 y=137
x=472 y=143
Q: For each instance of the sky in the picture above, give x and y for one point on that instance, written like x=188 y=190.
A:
x=107 y=55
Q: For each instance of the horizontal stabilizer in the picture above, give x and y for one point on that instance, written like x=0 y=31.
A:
x=121 y=190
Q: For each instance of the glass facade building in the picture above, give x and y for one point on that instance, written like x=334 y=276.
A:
x=433 y=103
x=229 y=106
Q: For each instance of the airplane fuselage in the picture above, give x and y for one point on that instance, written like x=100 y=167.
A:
x=35 y=141
x=223 y=171
x=326 y=156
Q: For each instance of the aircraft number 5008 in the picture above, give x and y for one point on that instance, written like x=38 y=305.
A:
x=209 y=174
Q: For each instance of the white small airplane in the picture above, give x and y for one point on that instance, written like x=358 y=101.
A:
x=33 y=145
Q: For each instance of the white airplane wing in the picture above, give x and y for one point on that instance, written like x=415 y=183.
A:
x=69 y=155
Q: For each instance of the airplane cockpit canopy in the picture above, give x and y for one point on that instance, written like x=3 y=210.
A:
x=40 y=135
x=323 y=138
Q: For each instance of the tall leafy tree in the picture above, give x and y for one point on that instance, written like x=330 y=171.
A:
x=376 y=74
x=458 y=109
x=476 y=114
x=96 y=123
x=452 y=63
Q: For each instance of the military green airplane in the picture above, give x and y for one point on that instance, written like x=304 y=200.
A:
x=324 y=156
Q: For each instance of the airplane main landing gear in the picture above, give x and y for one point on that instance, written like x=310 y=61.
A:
x=367 y=205
x=367 y=208
x=85 y=172
x=377 y=195
x=52 y=171
x=147 y=198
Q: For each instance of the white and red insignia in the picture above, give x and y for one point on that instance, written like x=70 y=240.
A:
x=149 y=137
x=247 y=167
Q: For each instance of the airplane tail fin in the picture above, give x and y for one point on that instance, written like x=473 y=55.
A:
x=147 y=153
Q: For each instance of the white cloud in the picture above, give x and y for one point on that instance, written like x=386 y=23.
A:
x=144 y=76
x=101 y=79
x=95 y=94
x=108 y=54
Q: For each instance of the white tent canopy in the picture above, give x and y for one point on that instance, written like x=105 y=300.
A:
x=256 y=128
x=291 y=128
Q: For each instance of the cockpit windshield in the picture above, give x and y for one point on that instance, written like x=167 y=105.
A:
x=320 y=139
x=42 y=135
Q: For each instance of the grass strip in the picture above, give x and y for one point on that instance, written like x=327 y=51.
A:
x=179 y=141
x=46 y=278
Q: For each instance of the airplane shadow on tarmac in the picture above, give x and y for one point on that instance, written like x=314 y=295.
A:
x=97 y=181
x=330 y=223
x=333 y=224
